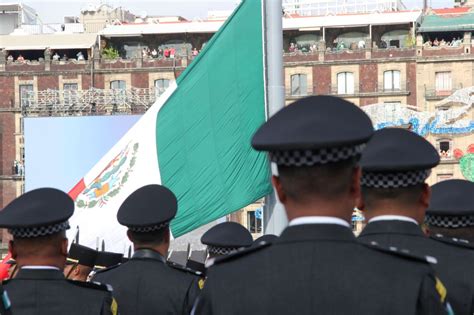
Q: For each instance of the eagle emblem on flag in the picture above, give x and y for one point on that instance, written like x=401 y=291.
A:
x=110 y=180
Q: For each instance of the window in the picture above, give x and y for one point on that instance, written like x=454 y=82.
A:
x=254 y=221
x=345 y=83
x=445 y=149
x=160 y=86
x=118 y=85
x=441 y=177
x=299 y=85
x=443 y=83
x=391 y=80
x=70 y=93
x=25 y=91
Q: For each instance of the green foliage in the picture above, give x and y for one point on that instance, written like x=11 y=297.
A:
x=124 y=178
x=81 y=204
x=110 y=53
x=92 y=204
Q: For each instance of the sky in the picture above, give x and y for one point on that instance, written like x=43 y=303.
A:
x=68 y=147
x=53 y=11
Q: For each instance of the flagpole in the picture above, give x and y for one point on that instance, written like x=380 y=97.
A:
x=274 y=216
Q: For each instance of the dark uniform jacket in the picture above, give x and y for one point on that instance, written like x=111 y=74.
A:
x=147 y=285
x=319 y=269
x=454 y=267
x=46 y=291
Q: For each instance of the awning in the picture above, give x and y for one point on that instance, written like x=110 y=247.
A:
x=43 y=41
x=447 y=23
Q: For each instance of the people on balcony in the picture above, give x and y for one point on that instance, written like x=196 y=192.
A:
x=56 y=57
x=10 y=58
x=80 y=56
x=20 y=58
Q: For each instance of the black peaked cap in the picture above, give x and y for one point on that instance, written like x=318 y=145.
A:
x=83 y=255
x=454 y=197
x=227 y=235
x=314 y=122
x=398 y=150
x=108 y=259
x=41 y=207
x=149 y=206
x=264 y=239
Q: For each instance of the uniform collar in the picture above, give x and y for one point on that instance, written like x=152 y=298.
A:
x=314 y=232
x=319 y=220
x=146 y=253
x=392 y=218
x=39 y=274
x=392 y=227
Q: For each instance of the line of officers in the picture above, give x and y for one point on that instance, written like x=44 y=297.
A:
x=415 y=255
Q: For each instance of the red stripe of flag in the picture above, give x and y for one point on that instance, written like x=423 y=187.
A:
x=77 y=189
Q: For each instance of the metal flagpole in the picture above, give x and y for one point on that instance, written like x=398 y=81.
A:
x=274 y=215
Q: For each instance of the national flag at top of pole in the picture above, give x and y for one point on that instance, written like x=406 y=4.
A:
x=195 y=140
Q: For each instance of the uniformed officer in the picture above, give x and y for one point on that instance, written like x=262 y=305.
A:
x=226 y=238
x=450 y=216
x=37 y=221
x=317 y=266
x=146 y=284
x=80 y=262
x=395 y=165
x=107 y=259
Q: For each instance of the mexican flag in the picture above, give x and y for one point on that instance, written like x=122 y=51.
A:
x=195 y=140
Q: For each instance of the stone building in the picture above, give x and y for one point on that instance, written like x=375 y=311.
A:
x=383 y=62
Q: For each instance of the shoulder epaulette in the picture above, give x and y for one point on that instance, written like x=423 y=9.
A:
x=184 y=268
x=107 y=269
x=401 y=252
x=453 y=241
x=239 y=253
x=92 y=285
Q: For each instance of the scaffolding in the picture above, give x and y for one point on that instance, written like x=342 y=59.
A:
x=88 y=102
x=331 y=7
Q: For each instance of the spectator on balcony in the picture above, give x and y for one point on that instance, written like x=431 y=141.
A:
x=313 y=48
x=80 y=56
x=195 y=52
x=167 y=53
x=145 y=52
x=292 y=48
x=436 y=42
x=20 y=58
x=383 y=44
x=10 y=58
x=442 y=42
x=154 y=53
x=65 y=58
x=428 y=43
x=341 y=46
x=172 y=52
x=361 y=44
x=56 y=57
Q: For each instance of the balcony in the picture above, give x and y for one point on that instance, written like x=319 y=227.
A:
x=434 y=94
x=359 y=91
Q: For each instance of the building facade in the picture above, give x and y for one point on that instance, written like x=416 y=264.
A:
x=383 y=62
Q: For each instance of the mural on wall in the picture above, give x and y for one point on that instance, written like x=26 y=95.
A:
x=466 y=162
x=453 y=116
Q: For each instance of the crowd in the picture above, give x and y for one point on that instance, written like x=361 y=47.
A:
x=455 y=42
x=413 y=257
x=167 y=53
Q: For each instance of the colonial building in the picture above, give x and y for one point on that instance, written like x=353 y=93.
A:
x=404 y=68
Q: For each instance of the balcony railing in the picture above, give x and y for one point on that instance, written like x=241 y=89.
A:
x=433 y=94
x=358 y=91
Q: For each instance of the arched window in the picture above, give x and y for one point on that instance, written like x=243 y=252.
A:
x=345 y=83
x=299 y=85
x=160 y=86
x=391 y=80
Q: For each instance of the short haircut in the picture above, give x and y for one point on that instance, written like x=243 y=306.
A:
x=148 y=238
x=323 y=180
x=466 y=233
x=401 y=195
x=39 y=246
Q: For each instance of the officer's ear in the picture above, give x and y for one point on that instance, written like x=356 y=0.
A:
x=279 y=189
x=64 y=245
x=12 y=249
x=425 y=196
x=355 y=185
